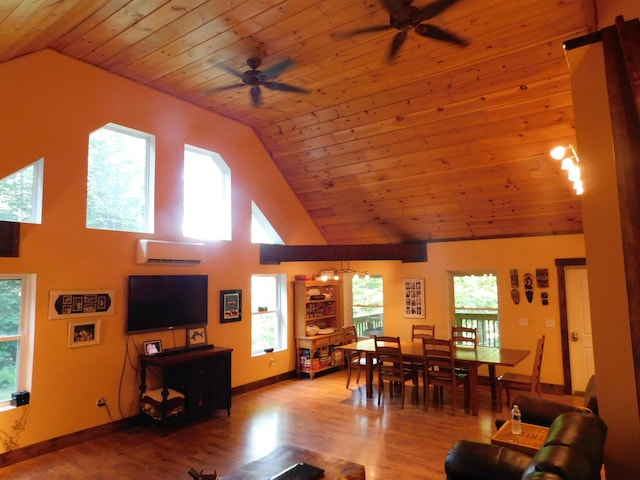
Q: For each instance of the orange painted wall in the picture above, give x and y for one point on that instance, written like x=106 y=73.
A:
x=498 y=256
x=50 y=105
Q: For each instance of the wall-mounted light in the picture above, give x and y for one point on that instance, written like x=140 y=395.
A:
x=570 y=163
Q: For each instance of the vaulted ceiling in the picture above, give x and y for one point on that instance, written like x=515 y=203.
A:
x=443 y=141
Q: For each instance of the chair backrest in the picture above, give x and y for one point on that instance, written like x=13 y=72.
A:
x=464 y=336
x=438 y=357
x=389 y=355
x=419 y=332
x=350 y=334
x=537 y=365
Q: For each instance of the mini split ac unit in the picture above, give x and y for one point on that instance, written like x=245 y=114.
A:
x=180 y=253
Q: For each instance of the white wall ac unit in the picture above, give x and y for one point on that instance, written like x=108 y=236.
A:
x=179 y=253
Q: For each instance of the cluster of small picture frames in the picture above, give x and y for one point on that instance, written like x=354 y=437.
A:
x=541 y=282
x=77 y=306
x=194 y=337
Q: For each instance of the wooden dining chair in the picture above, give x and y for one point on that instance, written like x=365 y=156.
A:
x=419 y=332
x=353 y=359
x=439 y=371
x=391 y=367
x=516 y=381
x=464 y=336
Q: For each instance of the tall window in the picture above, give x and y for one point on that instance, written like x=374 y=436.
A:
x=261 y=229
x=476 y=305
x=367 y=305
x=21 y=195
x=17 y=302
x=120 y=180
x=207 y=195
x=268 y=313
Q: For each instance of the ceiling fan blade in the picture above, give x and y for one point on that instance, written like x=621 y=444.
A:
x=277 y=69
x=378 y=28
x=395 y=7
x=434 y=8
x=231 y=70
x=256 y=96
x=283 y=87
x=220 y=89
x=397 y=42
x=436 y=33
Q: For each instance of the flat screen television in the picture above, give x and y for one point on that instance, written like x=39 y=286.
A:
x=166 y=302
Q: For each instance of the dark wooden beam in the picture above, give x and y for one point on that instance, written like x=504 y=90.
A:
x=9 y=239
x=406 y=252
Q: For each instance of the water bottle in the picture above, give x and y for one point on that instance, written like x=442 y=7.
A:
x=516 y=420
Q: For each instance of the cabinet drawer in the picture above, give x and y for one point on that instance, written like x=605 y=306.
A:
x=336 y=339
x=321 y=342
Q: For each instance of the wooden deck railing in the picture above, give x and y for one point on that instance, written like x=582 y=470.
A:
x=486 y=324
x=368 y=324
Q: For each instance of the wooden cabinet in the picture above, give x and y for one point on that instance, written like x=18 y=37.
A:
x=319 y=304
x=202 y=376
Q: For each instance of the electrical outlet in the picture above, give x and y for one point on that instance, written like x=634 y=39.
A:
x=101 y=402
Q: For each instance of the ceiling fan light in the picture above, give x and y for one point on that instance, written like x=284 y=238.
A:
x=567 y=163
x=356 y=276
x=558 y=153
x=574 y=173
x=578 y=187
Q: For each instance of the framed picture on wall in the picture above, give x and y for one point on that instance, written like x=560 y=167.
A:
x=84 y=333
x=414 y=298
x=81 y=303
x=230 y=306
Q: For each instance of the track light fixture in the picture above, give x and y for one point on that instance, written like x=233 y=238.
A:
x=570 y=163
x=335 y=274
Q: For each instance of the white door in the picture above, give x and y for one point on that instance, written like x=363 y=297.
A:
x=579 y=323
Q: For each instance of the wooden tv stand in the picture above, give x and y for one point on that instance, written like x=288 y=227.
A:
x=203 y=376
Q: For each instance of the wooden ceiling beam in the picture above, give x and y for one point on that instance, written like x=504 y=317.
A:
x=406 y=252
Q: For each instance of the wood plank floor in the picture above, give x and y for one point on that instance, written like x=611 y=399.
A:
x=319 y=415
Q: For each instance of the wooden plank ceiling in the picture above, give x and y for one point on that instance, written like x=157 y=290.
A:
x=441 y=142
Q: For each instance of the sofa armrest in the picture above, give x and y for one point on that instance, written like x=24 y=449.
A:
x=540 y=411
x=469 y=460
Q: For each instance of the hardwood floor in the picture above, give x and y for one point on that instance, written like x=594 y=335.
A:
x=318 y=415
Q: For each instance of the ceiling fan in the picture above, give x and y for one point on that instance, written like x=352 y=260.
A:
x=404 y=16
x=255 y=79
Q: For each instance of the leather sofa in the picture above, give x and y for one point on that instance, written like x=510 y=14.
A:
x=573 y=450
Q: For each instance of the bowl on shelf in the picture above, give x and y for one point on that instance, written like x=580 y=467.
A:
x=311 y=330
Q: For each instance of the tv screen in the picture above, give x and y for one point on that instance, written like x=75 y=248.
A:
x=165 y=302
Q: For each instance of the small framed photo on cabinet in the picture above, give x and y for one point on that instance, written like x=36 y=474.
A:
x=196 y=336
x=152 y=347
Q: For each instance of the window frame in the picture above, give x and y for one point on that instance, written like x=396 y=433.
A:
x=37 y=185
x=25 y=337
x=281 y=311
x=224 y=229
x=263 y=223
x=378 y=327
x=149 y=176
x=482 y=319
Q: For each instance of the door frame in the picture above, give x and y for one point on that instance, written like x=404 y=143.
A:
x=561 y=264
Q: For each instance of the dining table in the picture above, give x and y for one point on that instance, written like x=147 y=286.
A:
x=467 y=357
